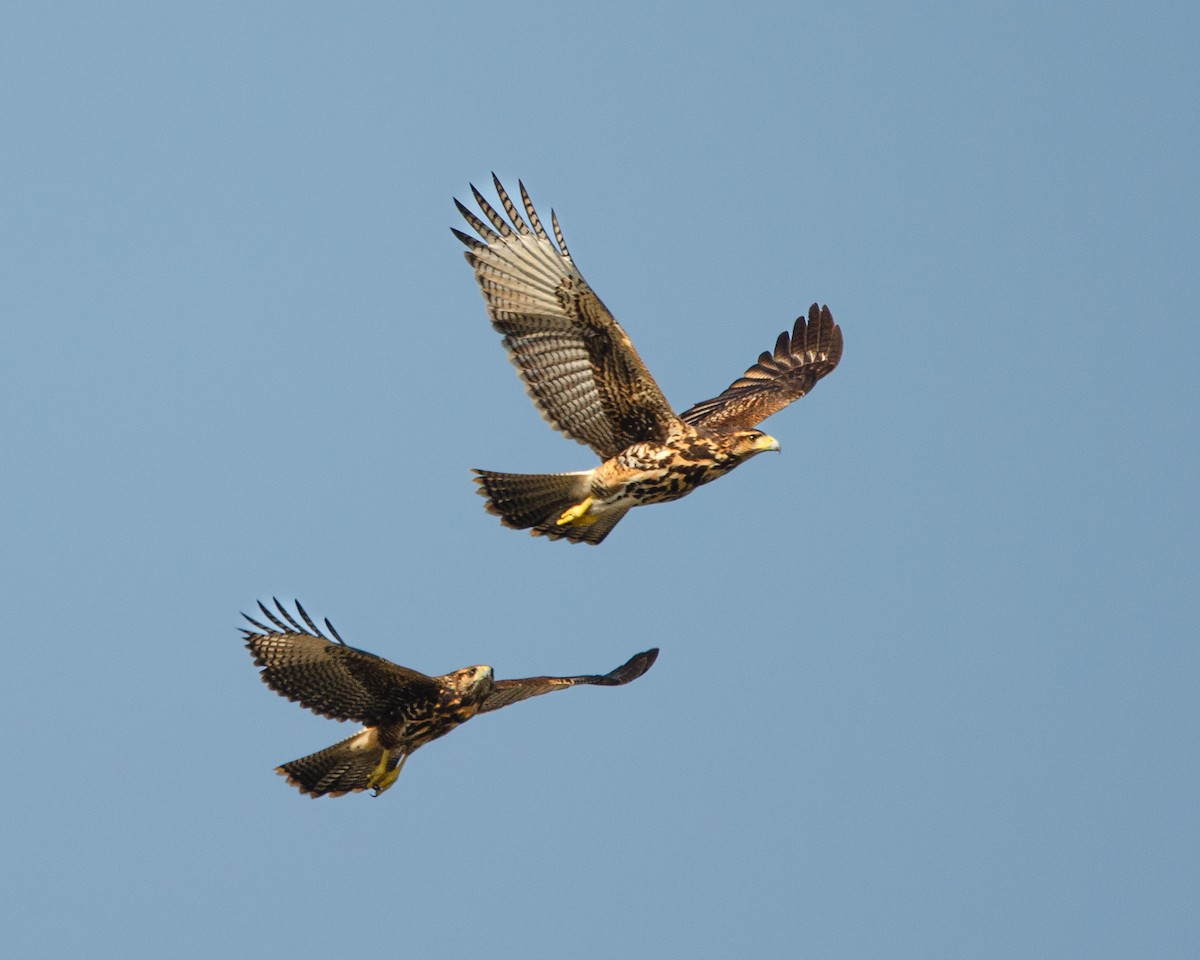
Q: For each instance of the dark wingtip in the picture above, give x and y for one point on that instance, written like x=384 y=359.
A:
x=636 y=666
x=333 y=630
x=466 y=238
x=462 y=208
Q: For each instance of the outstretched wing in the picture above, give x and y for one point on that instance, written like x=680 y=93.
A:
x=799 y=361
x=579 y=367
x=510 y=691
x=328 y=677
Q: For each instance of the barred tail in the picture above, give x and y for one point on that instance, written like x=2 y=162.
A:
x=346 y=767
x=537 y=501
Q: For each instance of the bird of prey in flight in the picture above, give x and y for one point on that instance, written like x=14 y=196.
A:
x=584 y=376
x=400 y=709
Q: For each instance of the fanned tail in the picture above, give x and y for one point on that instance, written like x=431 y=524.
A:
x=345 y=767
x=537 y=502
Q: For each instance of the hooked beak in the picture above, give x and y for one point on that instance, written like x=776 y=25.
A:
x=764 y=443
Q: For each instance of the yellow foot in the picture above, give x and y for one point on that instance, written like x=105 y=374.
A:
x=578 y=515
x=381 y=777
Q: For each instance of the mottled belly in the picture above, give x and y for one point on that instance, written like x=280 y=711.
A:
x=661 y=486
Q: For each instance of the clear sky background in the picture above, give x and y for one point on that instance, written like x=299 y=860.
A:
x=928 y=677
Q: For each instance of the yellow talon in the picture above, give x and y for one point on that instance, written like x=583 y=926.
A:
x=381 y=777
x=578 y=516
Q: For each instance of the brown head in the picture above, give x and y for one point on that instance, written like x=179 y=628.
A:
x=744 y=444
x=471 y=684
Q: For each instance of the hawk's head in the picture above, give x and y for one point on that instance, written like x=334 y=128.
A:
x=746 y=443
x=471 y=683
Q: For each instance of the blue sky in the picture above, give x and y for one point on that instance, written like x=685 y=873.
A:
x=927 y=683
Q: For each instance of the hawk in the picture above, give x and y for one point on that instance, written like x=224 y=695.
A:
x=400 y=709
x=584 y=376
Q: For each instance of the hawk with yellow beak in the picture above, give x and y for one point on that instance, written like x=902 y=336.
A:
x=584 y=376
x=400 y=709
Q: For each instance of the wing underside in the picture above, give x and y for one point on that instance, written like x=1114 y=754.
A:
x=579 y=367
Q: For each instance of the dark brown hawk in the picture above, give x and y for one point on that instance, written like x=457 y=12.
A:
x=400 y=709
x=586 y=379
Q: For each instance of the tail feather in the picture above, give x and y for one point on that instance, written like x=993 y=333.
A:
x=535 y=501
x=345 y=767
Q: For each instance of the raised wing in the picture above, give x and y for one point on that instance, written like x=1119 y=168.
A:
x=326 y=676
x=511 y=691
x=798 y=362
x=579 y=367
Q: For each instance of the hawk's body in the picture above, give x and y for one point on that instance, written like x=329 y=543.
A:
x=401 y=709
x=584 y=375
